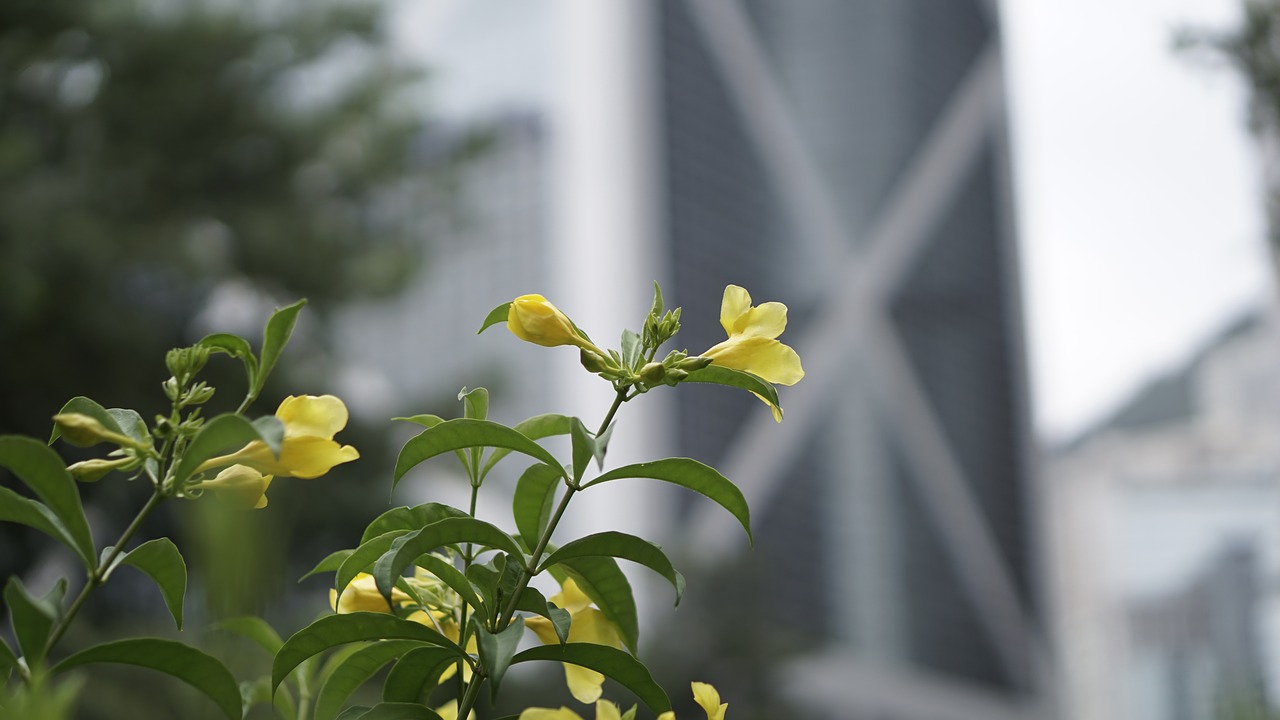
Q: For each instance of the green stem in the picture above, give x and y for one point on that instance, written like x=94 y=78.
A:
x=526 y=573
x=98 y=576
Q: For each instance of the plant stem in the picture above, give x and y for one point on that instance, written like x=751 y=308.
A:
x=618 y=399
x=98 y=576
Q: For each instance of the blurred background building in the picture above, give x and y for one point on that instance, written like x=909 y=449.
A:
x=1166 y=542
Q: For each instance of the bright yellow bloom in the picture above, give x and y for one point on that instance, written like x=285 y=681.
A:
x=605 y=710
x=534 y=319
x=708 y=698
x=308 y=450
x=588 y=625
x=752 y=345
x=244 y=485
x=362 y=596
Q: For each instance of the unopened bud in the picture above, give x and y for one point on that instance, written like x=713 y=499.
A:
x=94 y=470
x=593 y=361
x=171 y=389
x=653 y=373
x=84 y=431
x=697 y=362
x=198 y=395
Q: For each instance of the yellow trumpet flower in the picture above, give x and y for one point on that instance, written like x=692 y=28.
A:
x=244 y=485
x=752 y=345
x=588 y=625
x=308 y=450
x=708 y=698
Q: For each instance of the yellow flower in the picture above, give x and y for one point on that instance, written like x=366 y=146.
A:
x=362 y=596
x=605 y=710
x=308 y=450
x=244 y=485
x=752 y=345
x=534 y=319
x=707 y=697
x=588 y=625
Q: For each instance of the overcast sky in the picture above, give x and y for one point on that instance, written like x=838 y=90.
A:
x=1139 y=195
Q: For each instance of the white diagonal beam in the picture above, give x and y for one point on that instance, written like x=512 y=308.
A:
x=765 y=111
x=949 y=503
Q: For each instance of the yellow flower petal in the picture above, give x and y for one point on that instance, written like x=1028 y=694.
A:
x=312 y=416
x=571 y=597
x=585 y=685
x=562 y=713
x=362 y=596
x=709 y=699
x=606 y=710
x=766 y=357
x=668 y=715
x=735 y=303
x=766 y=320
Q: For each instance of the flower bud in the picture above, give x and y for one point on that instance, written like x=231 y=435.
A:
x=240 y=484
x=171 y=389
x=593 y=362
x=84 y=431
x=94 y=470
x=653 y=373
x=697 y=362
x=533 y=319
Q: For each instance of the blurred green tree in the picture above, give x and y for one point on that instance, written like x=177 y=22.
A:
x=157 y=153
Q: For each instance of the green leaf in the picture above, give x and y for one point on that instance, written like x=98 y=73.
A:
x=620 y=545
x=331 y=563
x=416 y=674
x=334 y=630
x=33 y=618
x=720 y=375
x=656 y=309
x=602 y=581
x=397 y=711
x=533 y=500
x=409 y=518
x=221 y=434
x=584 y=448
x=8 y=661
x=691 y=474
x=496 y=580
x=236 y=347
x=475 y=403
x=404 y=550
x=475 y=407
x=132 y=424
x=532 y=601
x=162 y=562
x=183 y=662
x=355 y=671
x=271 y=430
x=631 y=347
x=40 y=469
x=496 y=651
x=364 y=556
x=430 y=421
x=464 y=433
x=450 y=576
x=495 y=316
x=15 y=508
x=258 y=692
x=254 y=629
x=613 y=663
x=534 y=428
x=274 y=338
x=84 y=406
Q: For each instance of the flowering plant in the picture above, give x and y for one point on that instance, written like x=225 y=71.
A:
x=439 y=595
